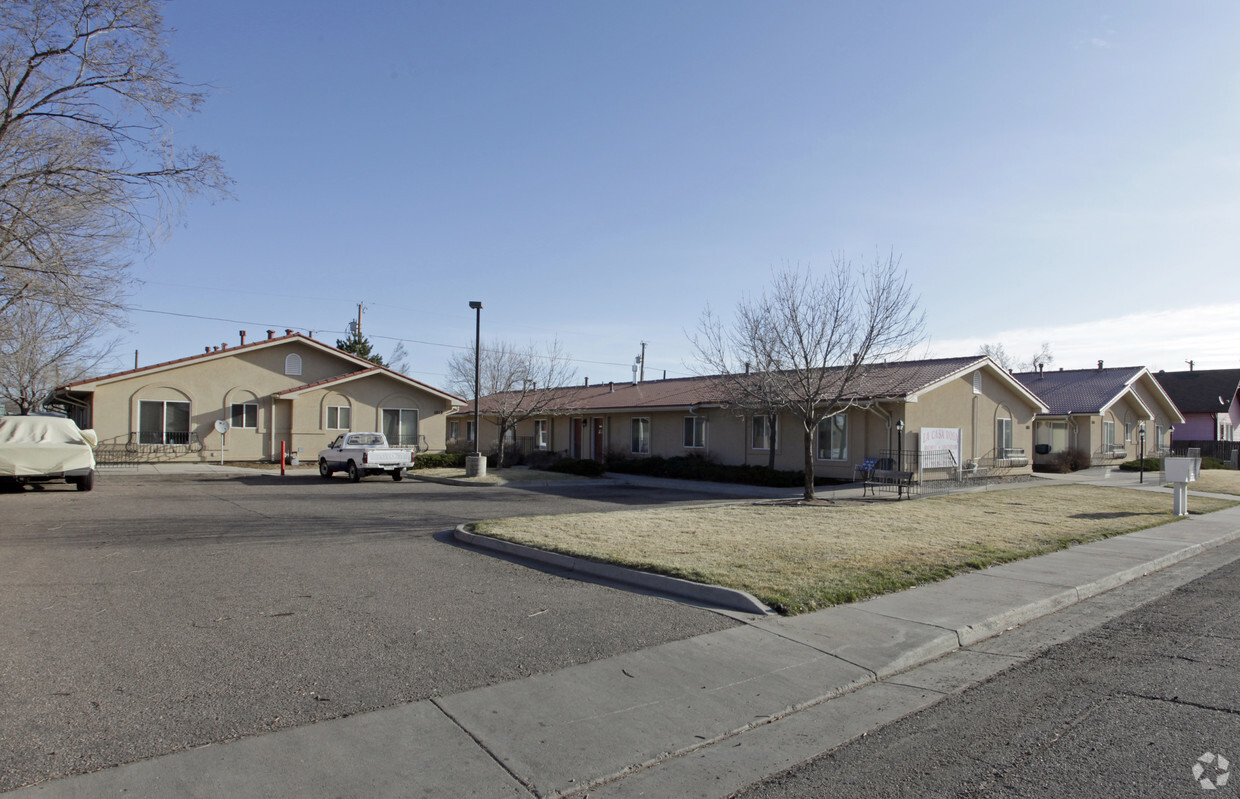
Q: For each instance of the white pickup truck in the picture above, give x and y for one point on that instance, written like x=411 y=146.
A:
x=361 y=454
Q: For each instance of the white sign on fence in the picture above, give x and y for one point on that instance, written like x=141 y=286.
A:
x=940 y=447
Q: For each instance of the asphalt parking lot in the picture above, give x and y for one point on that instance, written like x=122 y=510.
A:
x=158 y=613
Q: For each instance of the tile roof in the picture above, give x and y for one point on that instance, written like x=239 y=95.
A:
x=881 y=381
x=1201 y=391
x=1079 y=390
x=260 y=344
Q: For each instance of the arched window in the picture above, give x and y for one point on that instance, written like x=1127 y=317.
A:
x=292 y=364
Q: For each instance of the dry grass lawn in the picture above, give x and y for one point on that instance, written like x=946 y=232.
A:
x=800 y=558
x=502 y=476
x=1216 y=481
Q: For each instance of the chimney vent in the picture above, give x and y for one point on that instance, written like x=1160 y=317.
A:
x=587 y=381
x=1099 y=366
x=215 y=349
x=206 y=349
x=223 y=345
x=288 y=331
x=242 y=337
x=1040 y=367
x=611 y=386
x=270 y=334
x=746 y=367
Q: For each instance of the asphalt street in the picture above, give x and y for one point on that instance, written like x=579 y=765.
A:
x=159 y=613
x=1144 y=705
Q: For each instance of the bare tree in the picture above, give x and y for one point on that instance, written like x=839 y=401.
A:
x=514 y=382
x=48 y=349
x=398 y=361
x=1043 y=356
x=809 y=341
x=88 y=169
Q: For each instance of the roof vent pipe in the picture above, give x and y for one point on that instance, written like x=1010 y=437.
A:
x=587 y=381
x=215 y=349
x=1040 y=367
x=206 y=349
x=1099 y=366
x=611 y=386
x=242 y=332
x=288 y=331
x=271 y=334
x=746 y=367
x=223 y=345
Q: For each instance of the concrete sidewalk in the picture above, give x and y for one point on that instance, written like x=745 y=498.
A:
x=700 y=717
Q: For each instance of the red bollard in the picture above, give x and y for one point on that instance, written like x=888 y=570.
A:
x=283 y=444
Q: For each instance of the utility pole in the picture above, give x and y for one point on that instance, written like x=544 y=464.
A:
x=642 y=377
x=359 y=321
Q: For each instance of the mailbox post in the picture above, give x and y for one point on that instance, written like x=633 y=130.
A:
x=1181 y=472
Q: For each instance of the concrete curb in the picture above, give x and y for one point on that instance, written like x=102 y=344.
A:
x=697 y=592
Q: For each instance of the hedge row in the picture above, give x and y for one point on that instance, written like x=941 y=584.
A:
x=690 y=468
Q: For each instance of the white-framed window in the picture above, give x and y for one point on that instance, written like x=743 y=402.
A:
x=454 y=429
x=761 y=434
x=245 y=415
x=470 y=432
x=695 y=432
x=400 y=426
x=540 y=434
x=161 y=422
x=1003 y=437
x=1158 y=437
x=1108 y=435
x=292 y=364
x=977 y=382
x=833 y=438
x=1127 y=432
x=640 y=428
x=339 y=417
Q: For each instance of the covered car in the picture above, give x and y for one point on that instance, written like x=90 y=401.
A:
x=42 y=448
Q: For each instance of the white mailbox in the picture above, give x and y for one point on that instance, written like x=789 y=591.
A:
x=1182 y=470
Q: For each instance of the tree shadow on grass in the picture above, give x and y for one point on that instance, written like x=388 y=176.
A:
x=1116 y=514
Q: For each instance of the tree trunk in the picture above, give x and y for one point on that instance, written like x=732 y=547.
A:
x=499 y=459
x=809 y=466
x=770 y=455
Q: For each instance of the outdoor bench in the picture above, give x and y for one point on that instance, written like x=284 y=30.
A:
x=889 y=479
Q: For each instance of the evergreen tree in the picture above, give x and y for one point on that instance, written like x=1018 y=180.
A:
x=359 y=345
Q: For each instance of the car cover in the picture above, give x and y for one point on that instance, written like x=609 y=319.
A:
x=31 y=446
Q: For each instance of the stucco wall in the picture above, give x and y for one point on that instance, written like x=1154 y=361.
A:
x=212 y=386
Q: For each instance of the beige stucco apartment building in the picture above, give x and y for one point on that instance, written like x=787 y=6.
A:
x=968 y=407
x=1101 y=413
x=290 y=390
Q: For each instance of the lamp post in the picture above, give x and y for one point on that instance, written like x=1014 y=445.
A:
x=1142 y=467
x=475 y=465
x=900 y=454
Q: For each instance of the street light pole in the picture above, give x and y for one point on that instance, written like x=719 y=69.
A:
x=900 y=455
x=478 y=466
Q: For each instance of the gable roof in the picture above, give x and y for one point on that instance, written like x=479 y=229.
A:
x=355 y=365
x=375 y=369
x=1203 y=391
x=1093 y=391
x=898 y=380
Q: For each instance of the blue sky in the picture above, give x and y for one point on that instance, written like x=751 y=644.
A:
x=600 y=172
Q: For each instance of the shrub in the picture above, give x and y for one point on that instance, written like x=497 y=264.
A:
x=1136 y=465
x=446 y=460
x=1064 y=462
x=1214 y=463
x=439 y=460
x=585 y=468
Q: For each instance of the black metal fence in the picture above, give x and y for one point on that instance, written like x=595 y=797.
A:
x=1223 y=450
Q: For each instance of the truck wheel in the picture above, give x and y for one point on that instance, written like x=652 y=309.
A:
x=398 y=475
x=324 y=469
x=355 y=474
x=86 y=483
